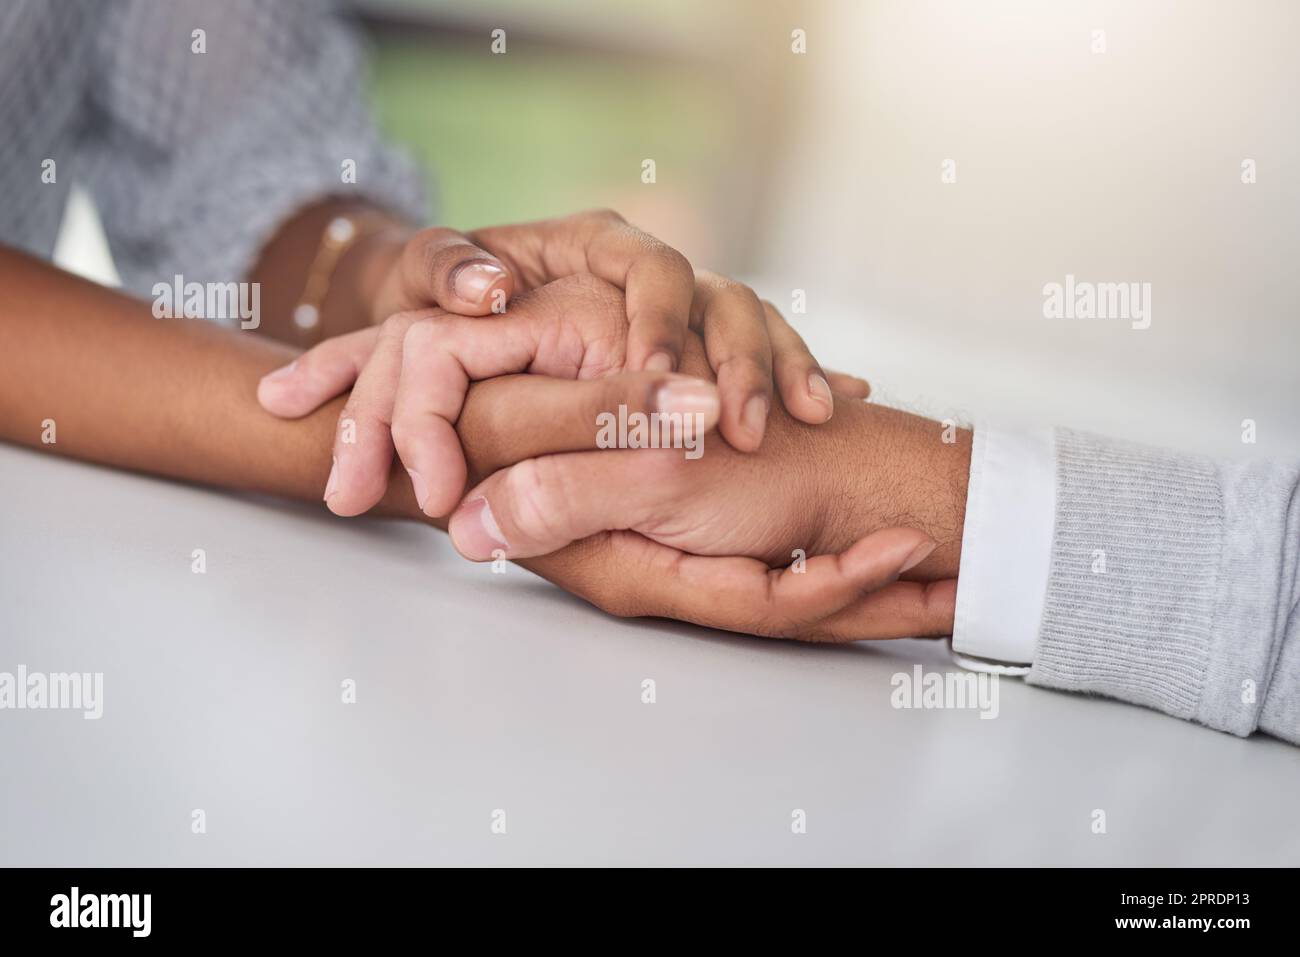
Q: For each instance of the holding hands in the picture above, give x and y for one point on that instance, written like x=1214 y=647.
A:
x=602 y=316
x=598 y=297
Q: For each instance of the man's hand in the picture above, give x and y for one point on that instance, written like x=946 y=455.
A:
x=843 y=592
x=812 y=489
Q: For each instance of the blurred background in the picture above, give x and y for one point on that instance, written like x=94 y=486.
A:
x=585 y=93
x=919 y=172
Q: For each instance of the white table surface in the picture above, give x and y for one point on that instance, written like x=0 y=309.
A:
x=478 y=692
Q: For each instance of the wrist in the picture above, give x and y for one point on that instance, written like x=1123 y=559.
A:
x=888 y=468
x=373 y=269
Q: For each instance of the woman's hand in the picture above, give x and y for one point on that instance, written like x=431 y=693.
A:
x=411 y=375
x=748 y=345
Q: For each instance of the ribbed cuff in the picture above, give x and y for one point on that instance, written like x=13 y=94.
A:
x=1135 y=559
x=1254 y=674
x=1279 y=714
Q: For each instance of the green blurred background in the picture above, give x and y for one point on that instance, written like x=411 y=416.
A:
x=584 y=93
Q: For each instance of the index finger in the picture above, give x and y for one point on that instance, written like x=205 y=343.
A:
x=657 y=281
x=742 y=594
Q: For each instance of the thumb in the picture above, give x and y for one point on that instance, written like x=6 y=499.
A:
x=540 y=505
x=318 y=375
x=441 y=267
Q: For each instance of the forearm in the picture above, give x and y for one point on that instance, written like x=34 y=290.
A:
x=175 y=397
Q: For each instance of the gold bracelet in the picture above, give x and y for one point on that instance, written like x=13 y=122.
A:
x=340 y=234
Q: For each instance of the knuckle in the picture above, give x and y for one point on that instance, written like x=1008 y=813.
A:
x=592 y=308
x=748 y=370
x=726 y=286
x=747 y=296
x=669 y=258
x=395 y=326
x=415 y=333
x=604 y=215
x=425 y=250
x=421 y=250
x=433 y=235
x=612 y=595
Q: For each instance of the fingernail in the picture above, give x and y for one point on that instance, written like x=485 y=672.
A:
x=332 y=484
x=472 y=280
x=820 y=390
x=659 y=362
x=919 y=554
x=475 y=532
x=689 y=397
x=754 y=415
x=281 y=373
x=421 y=490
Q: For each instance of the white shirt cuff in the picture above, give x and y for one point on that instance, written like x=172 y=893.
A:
x=1006 y=549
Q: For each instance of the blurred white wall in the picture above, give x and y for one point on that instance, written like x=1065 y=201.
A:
x=1117 y=166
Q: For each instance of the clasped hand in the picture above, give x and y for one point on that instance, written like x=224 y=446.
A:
x=754 y=536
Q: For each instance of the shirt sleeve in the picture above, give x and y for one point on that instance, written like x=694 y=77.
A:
x=1006 y=549
x=1174 y=584
x=197 y=147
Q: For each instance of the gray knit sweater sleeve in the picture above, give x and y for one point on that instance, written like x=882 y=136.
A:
x=1174 y=584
